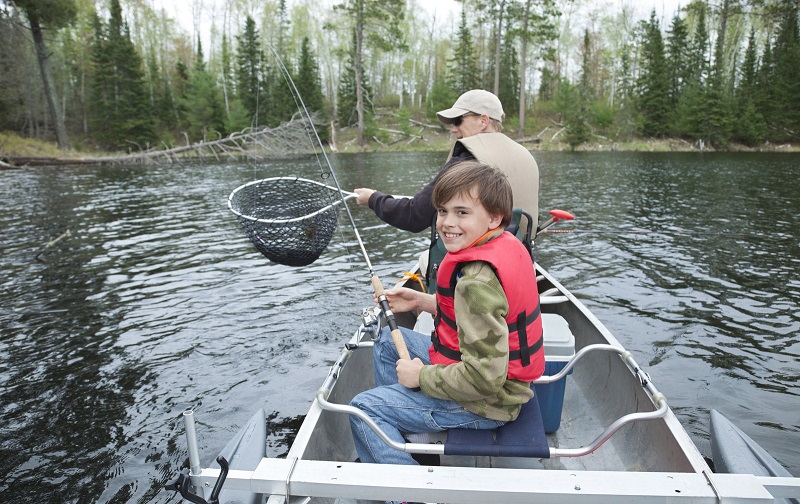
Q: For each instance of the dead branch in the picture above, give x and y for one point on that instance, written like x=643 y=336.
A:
x=290 y=138
x=558 y=133
x=434 y=126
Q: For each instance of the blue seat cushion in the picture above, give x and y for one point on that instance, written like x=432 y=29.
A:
x=524 y=437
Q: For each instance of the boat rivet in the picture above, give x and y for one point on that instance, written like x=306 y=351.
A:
x=577 y=487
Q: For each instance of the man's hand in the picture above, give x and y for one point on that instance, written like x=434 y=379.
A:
x=362 y=195
x=408 y=372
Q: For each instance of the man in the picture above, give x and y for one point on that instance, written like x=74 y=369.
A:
x=476 y=120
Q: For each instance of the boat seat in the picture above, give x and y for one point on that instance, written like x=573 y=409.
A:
x=524 y=437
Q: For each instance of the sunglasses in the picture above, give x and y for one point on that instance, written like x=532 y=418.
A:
x=458 y=120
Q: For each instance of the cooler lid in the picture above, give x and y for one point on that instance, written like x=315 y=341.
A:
x=559 y=342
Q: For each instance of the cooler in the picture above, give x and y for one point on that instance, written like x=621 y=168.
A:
x=559 y=347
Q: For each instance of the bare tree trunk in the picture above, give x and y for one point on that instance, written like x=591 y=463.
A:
x=47 y=84
x=497 y=42
x=523 y=70
x=358 y=64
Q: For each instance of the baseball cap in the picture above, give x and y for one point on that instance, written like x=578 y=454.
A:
x=476 y=101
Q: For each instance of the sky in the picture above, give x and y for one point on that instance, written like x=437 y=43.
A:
x=182 y=9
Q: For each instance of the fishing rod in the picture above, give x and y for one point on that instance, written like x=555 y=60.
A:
x=377 y=286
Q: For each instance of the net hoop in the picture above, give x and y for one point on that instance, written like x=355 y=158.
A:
x=232 y=197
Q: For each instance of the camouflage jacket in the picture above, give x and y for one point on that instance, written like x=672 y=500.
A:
x=480 y=381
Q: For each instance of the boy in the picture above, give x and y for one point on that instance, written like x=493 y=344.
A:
x=477 y=372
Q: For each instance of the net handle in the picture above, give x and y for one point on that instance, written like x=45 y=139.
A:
x=347 y=195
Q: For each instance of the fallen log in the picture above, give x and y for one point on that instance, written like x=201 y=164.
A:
x=290 y=138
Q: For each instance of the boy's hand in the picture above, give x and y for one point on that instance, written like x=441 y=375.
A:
x=408 y=372
x=401 y=299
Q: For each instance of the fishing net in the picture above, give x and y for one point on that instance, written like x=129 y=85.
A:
x=290 y=220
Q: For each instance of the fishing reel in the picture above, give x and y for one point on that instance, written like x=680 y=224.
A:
x=371 y=322
x=182 y=484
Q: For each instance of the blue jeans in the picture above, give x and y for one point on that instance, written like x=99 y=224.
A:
x=398 y=409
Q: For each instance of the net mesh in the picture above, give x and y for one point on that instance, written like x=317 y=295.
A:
x=290 y=221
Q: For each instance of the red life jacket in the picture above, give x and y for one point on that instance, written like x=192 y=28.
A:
x=512 y=264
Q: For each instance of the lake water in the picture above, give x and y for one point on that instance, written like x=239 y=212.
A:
x=157 y=302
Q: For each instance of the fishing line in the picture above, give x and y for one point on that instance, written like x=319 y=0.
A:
x=377 y=286
x=298 y=100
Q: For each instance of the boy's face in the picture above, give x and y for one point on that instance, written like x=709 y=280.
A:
x=462 y=220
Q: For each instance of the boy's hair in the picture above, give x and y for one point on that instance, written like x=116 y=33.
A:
x=493 y=188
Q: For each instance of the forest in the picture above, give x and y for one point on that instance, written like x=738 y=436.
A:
x=127 y=76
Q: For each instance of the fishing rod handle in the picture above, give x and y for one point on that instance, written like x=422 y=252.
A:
x=397 y=336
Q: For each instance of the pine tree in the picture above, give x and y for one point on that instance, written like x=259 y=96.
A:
x=750 y=127
x=678 y=58
x=787 y=75
x=653 y=82
x=718 y=113
x=204 y=106
x=249 y=72
x=626 y=119
x=509 y=68
x=347 y=114
x=463 y=67
x=161 y=96
x=691 y=118
x=441 y=97
x=282 y=104
x=309 y=86
x=578 y=130
x=122 y=111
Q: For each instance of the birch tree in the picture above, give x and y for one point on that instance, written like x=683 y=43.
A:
x=375 y=24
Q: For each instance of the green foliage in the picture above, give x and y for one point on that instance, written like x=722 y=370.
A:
x=205 y=110
x=653 y=81
x=237 y=118
x=578 y=129
x=565 y=98
x=441 y=97
x=309 y=86
x=249 y=70
x=347 y=110
x=549 y=84
x=785 y=73
x=678 y=58
x=749 y=128
x=463 y=67
x=52 y=14
x=119 y=89
x=509 y=72
x=403 y=116
x=602 y=115
x=122 y=114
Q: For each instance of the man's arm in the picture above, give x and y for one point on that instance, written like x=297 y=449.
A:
x=413 y=214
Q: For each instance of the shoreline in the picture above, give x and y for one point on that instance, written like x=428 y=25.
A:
x=17 y=152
